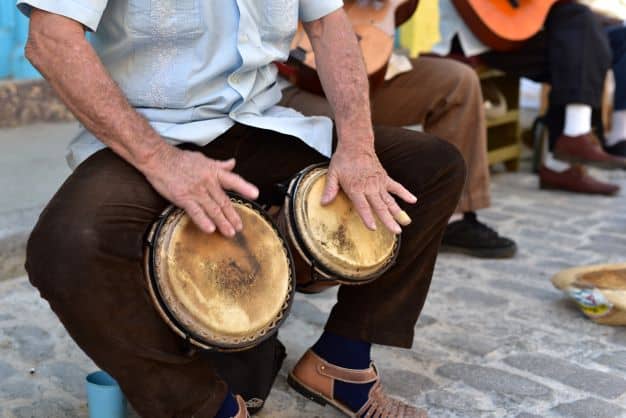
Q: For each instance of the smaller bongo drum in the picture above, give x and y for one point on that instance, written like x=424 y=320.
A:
x=332 y=244
x=598 y=290
x=227 y=294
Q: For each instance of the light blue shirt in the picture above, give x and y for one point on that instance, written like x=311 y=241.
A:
x=193 y=68
x=451 y=24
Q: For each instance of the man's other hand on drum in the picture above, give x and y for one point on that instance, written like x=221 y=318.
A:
x=354 y=167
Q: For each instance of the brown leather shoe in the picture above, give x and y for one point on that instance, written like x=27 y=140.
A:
x=314 y=378
x=586 y=149
x=574 y=179
x=243 y=411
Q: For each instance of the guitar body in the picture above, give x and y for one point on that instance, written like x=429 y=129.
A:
x=499 y=24
x=374 y=23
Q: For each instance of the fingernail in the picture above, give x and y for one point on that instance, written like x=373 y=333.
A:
x=402 y=218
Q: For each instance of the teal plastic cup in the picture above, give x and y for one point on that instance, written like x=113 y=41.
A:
x=104 y=396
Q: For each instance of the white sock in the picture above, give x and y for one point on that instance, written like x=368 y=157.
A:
x=554 y=164
x=618 y=128
x=455 y=217
x=577 y=119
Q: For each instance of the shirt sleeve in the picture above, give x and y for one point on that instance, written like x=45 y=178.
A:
x=314 y=9
x=87 y=12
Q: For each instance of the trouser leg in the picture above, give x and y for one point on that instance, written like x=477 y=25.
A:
x=442 y=95
x=439 y=94
x=617 y=38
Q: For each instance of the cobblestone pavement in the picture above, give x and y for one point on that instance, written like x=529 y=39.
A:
x=495 y=339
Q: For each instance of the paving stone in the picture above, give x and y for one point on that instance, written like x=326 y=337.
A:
x=510 y=269
x=619 y=338
x=589 y=408
x=6 y=370
x=33 y=342
x=606 y=248
x=65 y=375
x=6 y=317
x=613 y=360
x=17 y=389
x=600 y=383
x=405 y=383
x=523 y=289
x=470 y=296
x=308 y=312
x=615 y=239
x=47 y=408
x=473 y=344
x=525 y=415
x=494 y=380
x=449 y=401
x=425 y=320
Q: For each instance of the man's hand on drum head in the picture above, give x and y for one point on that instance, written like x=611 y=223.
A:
x=358 y=172
x=197 y=184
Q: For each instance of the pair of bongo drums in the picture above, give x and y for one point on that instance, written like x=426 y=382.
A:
x=231 y=294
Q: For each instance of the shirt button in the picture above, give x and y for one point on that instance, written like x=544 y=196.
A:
x=234 y=78
x=243 y=38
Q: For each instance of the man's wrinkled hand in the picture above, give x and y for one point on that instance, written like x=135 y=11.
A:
x=197 y=184
x=358 y=172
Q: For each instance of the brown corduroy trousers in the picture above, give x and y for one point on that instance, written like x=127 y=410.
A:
x=443 y=96
x=85 y=257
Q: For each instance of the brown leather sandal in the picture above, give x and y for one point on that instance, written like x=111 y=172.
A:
x=315 y=378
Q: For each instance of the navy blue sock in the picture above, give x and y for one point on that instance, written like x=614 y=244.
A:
x=229 y=407
x=351 y=354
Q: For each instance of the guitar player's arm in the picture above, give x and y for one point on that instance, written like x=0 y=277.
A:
x=354 y=166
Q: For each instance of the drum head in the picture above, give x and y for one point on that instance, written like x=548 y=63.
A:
x=225 y=293
x=336 y=236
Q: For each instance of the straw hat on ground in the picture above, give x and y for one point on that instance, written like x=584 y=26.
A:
x=598 y=290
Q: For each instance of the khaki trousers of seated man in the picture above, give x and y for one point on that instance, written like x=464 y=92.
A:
x=443 y=96
x=85 y=256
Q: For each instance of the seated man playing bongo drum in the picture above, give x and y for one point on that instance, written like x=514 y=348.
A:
x=171 y=94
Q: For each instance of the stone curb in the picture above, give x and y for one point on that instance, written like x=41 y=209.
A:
x=30 y=101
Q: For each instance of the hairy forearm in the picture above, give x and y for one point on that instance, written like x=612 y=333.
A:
x=344 y=79
x=58 y=49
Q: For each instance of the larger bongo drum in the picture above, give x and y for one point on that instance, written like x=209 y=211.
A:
x=332 y=244
x=220 y=293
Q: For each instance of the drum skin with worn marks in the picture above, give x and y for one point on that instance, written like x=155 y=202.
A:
x=226 y=294
x=331 y=244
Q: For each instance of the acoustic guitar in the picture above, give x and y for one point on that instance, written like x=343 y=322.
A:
x=374 y=23
x=504 y=24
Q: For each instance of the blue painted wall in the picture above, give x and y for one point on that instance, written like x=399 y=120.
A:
x=13 y=35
